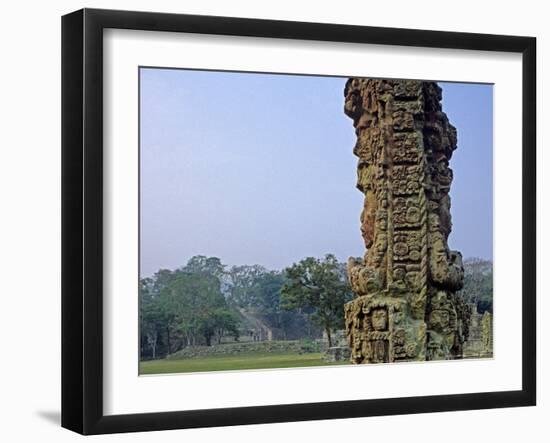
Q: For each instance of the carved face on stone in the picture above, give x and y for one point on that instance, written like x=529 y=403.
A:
x=440 y=319
x=379 y=319
x=434 y=223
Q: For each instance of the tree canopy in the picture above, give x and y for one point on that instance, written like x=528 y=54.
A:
x=320 y=287
x=478 y=284
x=185 y=306
x=204 y=301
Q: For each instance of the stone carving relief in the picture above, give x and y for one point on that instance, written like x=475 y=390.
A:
x=405 y=306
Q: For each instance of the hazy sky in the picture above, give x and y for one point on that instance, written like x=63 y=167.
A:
x=257 y=168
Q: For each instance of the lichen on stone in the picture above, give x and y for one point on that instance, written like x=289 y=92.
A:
x=406 y=307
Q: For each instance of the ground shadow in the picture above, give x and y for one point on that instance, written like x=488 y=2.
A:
x=54 y=417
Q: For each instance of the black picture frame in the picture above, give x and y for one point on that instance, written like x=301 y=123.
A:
x=82 y=215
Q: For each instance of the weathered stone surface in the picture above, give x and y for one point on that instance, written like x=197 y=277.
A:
x=338 y=339
x=479 y=343
x=337 y=353
x=405 y=307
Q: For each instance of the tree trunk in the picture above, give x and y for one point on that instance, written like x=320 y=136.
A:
x=152 y=339
x=329 y=337
x=168 y=340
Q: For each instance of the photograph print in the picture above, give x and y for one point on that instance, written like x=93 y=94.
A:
x=291 y=221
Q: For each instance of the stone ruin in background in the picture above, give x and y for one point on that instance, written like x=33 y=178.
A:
x=406 y=307
x=479 y=343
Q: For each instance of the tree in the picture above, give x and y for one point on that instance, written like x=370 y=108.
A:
x=198 y=304
x=154 y=318
x=478 y=284
x=319 y=286
x=266 y=296
x=162 y=307
x=243 y=280
x=200 y=264
x=184 y=307
x=221 y=321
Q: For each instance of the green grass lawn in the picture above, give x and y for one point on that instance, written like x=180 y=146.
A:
x=234 y=362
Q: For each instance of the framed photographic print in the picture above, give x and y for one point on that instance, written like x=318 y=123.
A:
x=269 y=221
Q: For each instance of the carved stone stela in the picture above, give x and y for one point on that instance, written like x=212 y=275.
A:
x=406 y=307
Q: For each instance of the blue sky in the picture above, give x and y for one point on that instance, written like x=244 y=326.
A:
x=258 y=168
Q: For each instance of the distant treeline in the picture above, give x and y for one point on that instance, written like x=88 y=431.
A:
x=478 y=284
x=205 y=301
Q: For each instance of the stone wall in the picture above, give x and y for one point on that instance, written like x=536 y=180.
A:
x=274 y=346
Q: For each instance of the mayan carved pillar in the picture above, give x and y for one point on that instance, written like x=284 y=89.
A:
x=405 y=306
